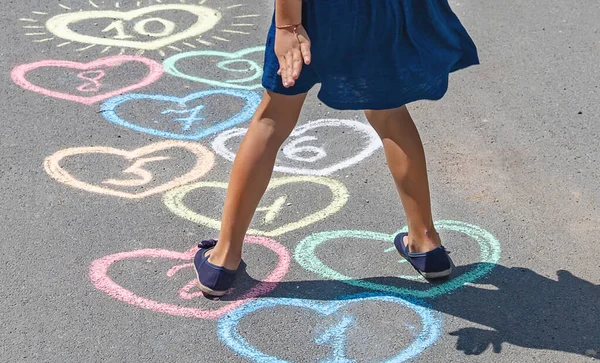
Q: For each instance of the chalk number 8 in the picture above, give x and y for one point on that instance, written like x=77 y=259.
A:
x=140 y=28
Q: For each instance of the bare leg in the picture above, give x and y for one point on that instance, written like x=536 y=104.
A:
x=272 y=123
x=406 y=160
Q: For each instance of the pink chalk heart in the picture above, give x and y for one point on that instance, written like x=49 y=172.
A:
x=100 y=278
x=89 y=83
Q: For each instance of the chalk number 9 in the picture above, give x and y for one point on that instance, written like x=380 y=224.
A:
x=140 y=28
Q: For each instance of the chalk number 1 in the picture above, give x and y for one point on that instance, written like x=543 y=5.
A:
x=336 y=338
x=140 y=27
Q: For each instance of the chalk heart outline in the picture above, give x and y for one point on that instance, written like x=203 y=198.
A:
x=227 y=325
x=174 y=200
x=219 y=145
x=100 y=279
x=490 y=247
x=251 y=99
x=170 y=66
x=155 y=71
x=207 y=18
x=205 y=162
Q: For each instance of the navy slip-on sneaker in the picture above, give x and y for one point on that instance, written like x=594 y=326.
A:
x=434 y=264
x=213 y=280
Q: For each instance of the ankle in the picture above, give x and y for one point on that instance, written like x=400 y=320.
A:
x=225 y=259
x=425 y=241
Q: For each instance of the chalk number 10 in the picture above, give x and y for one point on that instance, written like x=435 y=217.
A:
x=140 y=28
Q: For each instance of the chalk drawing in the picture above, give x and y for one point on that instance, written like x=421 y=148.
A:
x=136 y=169
x=92 y=79
x=489 y=245
x=431 y=322
x=336 y=337
x=253 y=70
x=99 y=274
x=187 y=122
x=174 y=200
x=309 y=154
x=202 y=130
x=101 y=66
x=204 y=162
x=116 y=36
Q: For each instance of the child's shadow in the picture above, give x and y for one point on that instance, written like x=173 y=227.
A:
x=519 y=307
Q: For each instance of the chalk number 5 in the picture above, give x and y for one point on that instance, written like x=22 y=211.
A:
x=140 y=27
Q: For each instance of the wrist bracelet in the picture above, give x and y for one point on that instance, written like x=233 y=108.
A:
x=293 y=26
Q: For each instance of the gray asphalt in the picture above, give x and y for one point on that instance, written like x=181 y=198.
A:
x=512 y=149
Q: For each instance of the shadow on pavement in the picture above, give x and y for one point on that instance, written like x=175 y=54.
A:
x=518 y=306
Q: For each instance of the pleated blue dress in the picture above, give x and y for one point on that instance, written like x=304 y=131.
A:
x=376 y=54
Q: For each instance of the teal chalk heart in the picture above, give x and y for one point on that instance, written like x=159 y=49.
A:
x=228 y=326
x=489 y=245
x=250 y=82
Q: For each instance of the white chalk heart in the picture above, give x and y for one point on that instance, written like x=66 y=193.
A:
x=308 y=155
x=207 y=18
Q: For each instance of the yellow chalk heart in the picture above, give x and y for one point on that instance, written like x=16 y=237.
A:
x=174 y=200
x=207 y=18
x=204 y=162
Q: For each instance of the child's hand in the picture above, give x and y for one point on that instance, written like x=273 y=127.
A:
x=291 y=50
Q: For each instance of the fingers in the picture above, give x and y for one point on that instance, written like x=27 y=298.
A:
x=289 y=71
x=286 y=69
x=282 y=69
x=296 y=64
x=305 y=50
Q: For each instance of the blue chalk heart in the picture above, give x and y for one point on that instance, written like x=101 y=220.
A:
x=251 y=99
x=431 y=322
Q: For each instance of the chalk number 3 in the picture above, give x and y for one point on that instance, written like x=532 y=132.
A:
x=168 y=27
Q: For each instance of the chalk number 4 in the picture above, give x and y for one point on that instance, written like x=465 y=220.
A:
x=140 y=27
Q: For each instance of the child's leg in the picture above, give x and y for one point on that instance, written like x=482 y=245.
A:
x=406 y=160
x=272 y=123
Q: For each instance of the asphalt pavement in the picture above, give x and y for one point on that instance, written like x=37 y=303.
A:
x=120 y=123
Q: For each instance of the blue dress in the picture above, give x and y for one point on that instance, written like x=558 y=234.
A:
x=376 y=54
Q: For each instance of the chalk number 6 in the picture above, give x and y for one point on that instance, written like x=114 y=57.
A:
x=294 y=152
x=140 y=28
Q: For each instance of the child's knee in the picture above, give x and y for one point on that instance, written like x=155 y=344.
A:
x=381 y=119
x=273 y=132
